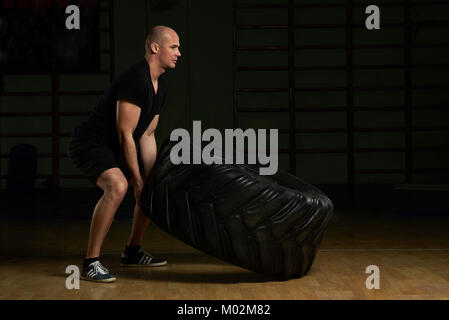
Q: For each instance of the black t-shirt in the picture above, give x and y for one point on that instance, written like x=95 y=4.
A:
x=133 y=85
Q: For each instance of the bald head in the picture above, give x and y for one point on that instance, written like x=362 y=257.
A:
x=157 y=34
x=162 y=48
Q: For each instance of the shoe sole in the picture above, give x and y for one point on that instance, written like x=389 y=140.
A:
x=159 y=264
x=103 y=281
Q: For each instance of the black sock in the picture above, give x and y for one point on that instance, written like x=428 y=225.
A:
x=132 y=250
x=88 y=261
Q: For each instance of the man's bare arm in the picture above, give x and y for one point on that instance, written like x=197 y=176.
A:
x=148 y=147
x=127 y=119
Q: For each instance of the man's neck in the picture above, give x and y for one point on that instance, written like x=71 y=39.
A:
x=155 y=68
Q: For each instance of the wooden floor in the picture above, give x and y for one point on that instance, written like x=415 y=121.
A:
x=412 y=254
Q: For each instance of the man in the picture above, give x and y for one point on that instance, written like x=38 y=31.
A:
x=104 y=148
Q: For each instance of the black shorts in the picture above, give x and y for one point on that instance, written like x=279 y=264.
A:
x=92 y=157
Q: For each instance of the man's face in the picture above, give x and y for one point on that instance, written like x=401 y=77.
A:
x=169 y=50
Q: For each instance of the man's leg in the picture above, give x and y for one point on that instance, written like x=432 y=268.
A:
x=133 y=256
x=115 y=186
x=140 y=225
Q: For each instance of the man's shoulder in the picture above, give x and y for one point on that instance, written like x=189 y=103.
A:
x=136 y=70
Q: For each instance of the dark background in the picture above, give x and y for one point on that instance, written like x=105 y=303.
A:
x=363 y=114
x=33 y=37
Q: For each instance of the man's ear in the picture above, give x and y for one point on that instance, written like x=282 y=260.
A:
x=154 y=47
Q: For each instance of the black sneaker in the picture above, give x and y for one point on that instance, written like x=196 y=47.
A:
x=141 y=259
x=97 y=272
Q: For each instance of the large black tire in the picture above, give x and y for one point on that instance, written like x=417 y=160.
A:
x=269 y=224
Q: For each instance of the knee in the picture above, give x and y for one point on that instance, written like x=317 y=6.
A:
x=116 y=189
